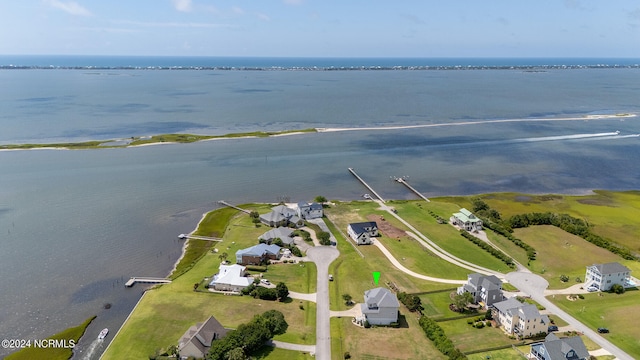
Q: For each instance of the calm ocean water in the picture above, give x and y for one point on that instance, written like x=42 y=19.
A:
x=74 y=225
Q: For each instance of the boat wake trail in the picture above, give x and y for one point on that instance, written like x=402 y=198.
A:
x=91 y=349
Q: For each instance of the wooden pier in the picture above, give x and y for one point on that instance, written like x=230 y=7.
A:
x=147 y=280
x=198 y=237
x=365 y=184
x=405 y=183
x=222 y=202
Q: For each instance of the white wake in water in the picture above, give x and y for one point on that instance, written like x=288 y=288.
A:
x=91 y=349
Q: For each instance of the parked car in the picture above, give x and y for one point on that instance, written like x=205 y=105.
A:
x=552 y=328
x=265 y=281
x=602 y=330
x=330 y=277
x=592 y=289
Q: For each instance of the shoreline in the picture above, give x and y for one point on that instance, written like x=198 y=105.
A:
x=19 y=147
x=186 y=243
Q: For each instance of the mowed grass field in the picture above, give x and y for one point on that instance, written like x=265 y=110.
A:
x=467 y=338
x=619 y=313
x=613 y=215
x=381 y=343
x=559 y=252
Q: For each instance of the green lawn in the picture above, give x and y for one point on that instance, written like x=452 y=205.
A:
x=298 y=277
x=381 y=343
x=436 y=305
x=613 y=215
x=559 y=252
x=504 y=354
x=467 y=338
x=619 y=313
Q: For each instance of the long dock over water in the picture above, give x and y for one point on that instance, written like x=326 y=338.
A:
x=405 y=183
x=222 y=202
x=198 y=237
x=365 y=184
x=148 y=280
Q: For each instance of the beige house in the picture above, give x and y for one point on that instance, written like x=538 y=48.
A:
x=197 y=340
x=520 y=319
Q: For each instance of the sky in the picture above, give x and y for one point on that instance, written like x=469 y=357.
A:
x=322 y=28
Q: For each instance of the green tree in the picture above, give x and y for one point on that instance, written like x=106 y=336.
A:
x=347 y=299
x=324 y=238
x=461 y=300
x=282 y=291
x=275 y=321
x=617 y=288
x=236 y=354
x=320 y=199
x=223 y=257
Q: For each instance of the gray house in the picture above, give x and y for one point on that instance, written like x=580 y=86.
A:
x=554 y=348
x=380 y=307
x=362 y=232
x=281 y=216
x=486 y=290
x=309 y=211
x=197 y=340
x=282 y=233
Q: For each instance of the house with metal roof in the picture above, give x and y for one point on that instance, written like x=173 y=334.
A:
x=282 y=233
x=230 y=278
x=257 y=254
x=197 y=340
x=466 y=220
x=520 y=319
x=380 y=307
x=554 y=348
x=604 y=276
x=309 y=210
x=486 y=290
x=281 y=215
x=362 y=232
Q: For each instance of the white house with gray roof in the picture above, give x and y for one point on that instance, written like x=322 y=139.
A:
x=380 y=307
x=520 y=319
x=486 y=290
x=604 y=276
x=466 y=220
x=555 y=348
x=362 y=232
x=309 y=211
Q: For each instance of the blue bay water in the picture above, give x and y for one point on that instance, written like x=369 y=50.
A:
x=74 y=225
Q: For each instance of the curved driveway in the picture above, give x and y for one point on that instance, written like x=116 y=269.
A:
x=322 y=256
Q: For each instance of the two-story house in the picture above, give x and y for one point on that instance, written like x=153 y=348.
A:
x=362 y=232
x=309 y=211
x=257 y=254
x=486 y=290
x=281 y=215
x=466 y=220
x=520 y=319
x=380 y=307
x=604 y=276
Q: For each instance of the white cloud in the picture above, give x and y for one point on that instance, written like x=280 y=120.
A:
x=264 y=17
x=182 y=5
x=175 y=24
x=70 y=7
x=293 y=2
x=237 y=10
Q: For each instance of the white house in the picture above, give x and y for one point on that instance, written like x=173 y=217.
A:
x=520 y=319
x=362 y=232
x=604 y=276
x=197 y=340
x=466 y=220
x=380 y=307
x=309 y=211
x=230 y=278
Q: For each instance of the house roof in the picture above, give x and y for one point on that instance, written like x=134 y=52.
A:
x=380 y=297
x=610 y=268
x=559 y=348
x=466 y=216
x=505 y=306
x=360 y=227
x=232 y=275
x=528 y=311
x=259 y=250
x=202 y=334
x=279 y=232
x=284 y=210
x=490 y=282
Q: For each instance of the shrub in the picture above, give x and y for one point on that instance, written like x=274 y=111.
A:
x=347 y=355
x=564 y=278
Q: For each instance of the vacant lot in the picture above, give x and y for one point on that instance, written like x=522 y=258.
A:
x=467 y=338
x=619 y=313
x=559 y=252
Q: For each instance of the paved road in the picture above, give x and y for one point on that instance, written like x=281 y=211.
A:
x=311 y=349
x=535 y=286
x=322 y=256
